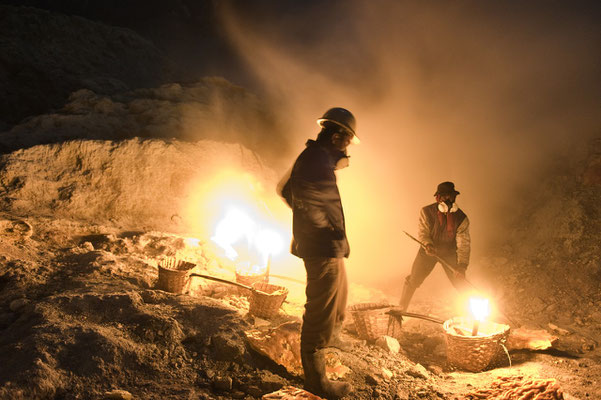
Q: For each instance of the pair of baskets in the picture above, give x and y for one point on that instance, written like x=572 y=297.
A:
x=371 y=321
x=470 y=353
x=266 y=299
x=174 y=275
x=475 y=353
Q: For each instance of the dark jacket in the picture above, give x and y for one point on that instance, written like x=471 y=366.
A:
x=448 y=232
x=318 y=220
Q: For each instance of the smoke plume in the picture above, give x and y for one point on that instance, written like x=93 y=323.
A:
x=483 y=94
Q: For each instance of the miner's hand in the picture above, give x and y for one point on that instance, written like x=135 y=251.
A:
x=460 y=271
x=430 y=249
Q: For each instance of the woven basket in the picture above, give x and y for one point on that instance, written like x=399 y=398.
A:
x=371 y=321
x=266 y=299
x=249 y=280
x=173 y=275
x=474 y=353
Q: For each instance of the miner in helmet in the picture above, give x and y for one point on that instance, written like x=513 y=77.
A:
x=444 y=232
x=319 y=238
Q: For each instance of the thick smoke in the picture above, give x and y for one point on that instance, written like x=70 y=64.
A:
x=484 y=94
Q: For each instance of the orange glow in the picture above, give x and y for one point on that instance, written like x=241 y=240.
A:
x=242 y=237
x=231 y=209
x=192 y=242
x=246 y=268
x=235 y=226
x=269 y=242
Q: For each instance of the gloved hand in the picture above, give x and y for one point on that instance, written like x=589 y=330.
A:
x=460 y=270
x=430 y=249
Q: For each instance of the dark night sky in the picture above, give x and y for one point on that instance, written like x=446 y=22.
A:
x=191 y=32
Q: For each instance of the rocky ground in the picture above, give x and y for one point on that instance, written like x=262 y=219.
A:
x=81 y=318
x=105 y=151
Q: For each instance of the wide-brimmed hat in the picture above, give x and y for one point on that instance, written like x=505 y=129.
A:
x=446 y=188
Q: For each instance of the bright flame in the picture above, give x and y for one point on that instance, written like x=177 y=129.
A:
x=241 y=237
x=269 y=242
x=249 y=224
x=234 y=226
x=246 y=268
x=479 y=308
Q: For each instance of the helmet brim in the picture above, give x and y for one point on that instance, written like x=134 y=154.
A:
x=354 y=140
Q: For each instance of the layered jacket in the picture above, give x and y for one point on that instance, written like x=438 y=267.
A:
x=448 y=232
x=318 y=225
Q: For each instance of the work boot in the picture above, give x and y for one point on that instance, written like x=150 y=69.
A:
x=406 y=296
x=316 y=381
x=338 y=341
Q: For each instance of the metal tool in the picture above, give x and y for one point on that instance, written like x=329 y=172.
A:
x=396 y=312
x=445 y=264
x=450 y=267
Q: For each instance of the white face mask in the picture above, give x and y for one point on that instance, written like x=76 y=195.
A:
x=342 y=163
x=443 y=207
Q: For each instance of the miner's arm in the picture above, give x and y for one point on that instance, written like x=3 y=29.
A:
x=283 y=188
x=463 y=244
x=313 y=187
x=424 y=229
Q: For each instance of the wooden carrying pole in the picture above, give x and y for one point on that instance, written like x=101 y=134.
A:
x=212 y=278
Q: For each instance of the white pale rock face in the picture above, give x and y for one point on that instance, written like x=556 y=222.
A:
x=386 y=373
x=388 y=343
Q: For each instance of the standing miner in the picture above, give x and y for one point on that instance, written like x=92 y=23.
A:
x=319 y=238
x=444 y=232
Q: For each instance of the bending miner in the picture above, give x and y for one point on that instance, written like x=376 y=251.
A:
x=319 y=238
x=444 y=233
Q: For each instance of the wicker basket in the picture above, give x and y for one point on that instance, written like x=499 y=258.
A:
x=474 y=353
x=266 y=299
x=371 y=321
x=249 y=280
x=173 y=275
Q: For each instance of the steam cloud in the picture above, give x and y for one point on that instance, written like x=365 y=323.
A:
x=484 y=94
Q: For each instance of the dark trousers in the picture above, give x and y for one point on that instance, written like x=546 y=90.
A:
x=327 y=291
x=424 y=264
